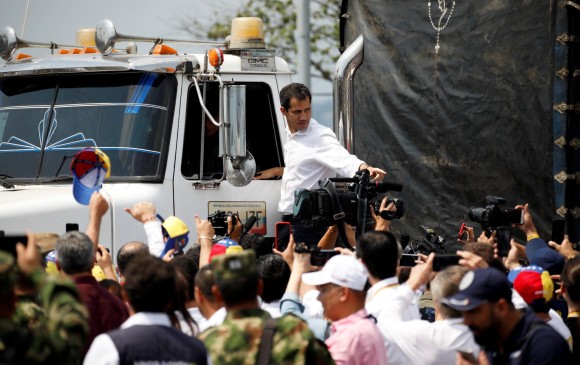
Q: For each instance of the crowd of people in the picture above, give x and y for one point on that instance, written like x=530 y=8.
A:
x=234 y=299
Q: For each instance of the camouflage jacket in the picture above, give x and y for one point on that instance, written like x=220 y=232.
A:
x=28 y=312
x=237 y=340
x=59 y=335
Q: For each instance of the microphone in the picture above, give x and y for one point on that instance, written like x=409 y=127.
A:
x=249 y=224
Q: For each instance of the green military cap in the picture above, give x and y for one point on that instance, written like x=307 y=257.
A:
x=7 y=271
x=234 y=265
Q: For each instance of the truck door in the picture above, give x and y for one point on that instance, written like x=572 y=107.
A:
x=200 y=185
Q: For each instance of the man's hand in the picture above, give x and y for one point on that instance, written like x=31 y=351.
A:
x=511 y=261
x=142 y=211
x=471 y=260
x=288 y=253
x=28 y=257
x=421 y=273
x=565 y=249
x=376 y=174
x=301 y=263
x=98 y=206
x=204 y=228
x=269 y=173
x=528 y=227
x=383 y=224
x=105 y=262
x=235 y=232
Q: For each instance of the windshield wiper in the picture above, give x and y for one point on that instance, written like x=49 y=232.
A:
x=56 y=178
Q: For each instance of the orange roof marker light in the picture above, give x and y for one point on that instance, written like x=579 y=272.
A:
x=163 y=49
x=215 y=57
x=247 y=33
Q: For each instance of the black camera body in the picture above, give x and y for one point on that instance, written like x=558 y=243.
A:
x=493 y=216
x=315 y=207
x=431 y=242
x=219 y=222
x=390 y=215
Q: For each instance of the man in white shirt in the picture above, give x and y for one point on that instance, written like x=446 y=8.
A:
x=380 y=253
x=311 y=153
x=211 y=308
x=422 y=342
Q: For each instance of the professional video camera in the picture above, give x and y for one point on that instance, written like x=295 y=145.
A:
x=322 y=207
x=494 y=218
x=431 y=242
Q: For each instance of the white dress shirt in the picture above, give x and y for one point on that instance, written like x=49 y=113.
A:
x=422 y=342
x=215 y=320
x=311 y=155
x=154 y=237
x=379 y=298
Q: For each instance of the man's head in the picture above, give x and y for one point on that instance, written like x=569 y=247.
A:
x=188 y=269
x=236 y=278
x=274 y=273
x=127 y=252
x=75 y=253
x=341 y=283
x=150 y=284
x=445 y=284
x=380 y=253
x=295 y=100
x=571 y=280
x=204 y=296
x=484 y=297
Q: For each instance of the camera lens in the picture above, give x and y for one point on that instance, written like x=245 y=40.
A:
x=476 y=214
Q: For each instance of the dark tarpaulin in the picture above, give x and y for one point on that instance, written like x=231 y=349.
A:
x=472 y=120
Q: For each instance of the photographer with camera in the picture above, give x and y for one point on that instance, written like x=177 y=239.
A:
x=311 y=153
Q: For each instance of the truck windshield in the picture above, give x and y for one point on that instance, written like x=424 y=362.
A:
x=45 y=120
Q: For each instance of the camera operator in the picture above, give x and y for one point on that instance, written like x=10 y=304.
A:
x=311 y=153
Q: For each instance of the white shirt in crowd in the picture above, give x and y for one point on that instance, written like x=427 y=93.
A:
x=311 y=155
x=421 y=342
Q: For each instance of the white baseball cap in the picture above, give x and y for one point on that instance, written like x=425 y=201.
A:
x=342 y=270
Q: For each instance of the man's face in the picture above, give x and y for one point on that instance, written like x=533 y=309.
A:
x=484 y=324
x=329 y=297
x=298 y=114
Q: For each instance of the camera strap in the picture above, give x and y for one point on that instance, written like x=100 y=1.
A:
x=337 y=213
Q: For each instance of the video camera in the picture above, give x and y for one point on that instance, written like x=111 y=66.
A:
x=495 y=218
x=318 y=207
x=219 y=222
x=431 y=242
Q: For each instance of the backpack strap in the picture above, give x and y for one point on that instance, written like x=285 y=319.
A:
x=265 y=350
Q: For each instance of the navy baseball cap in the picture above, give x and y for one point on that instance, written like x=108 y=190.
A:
x=540 y=254
x=479 y=287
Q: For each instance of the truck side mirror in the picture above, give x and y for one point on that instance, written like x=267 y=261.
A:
x=233 y=131
x=240 y=165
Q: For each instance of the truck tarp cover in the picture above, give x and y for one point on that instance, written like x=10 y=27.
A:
x=472 y=120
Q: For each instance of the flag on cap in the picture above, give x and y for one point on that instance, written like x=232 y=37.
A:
x=89 y=169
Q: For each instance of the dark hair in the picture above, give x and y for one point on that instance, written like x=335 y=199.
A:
x=275 y=274
x=485 y=251
x=204 y=281
x=294 y=90
x=112 y=287
x=193 y=253
x=75 y=253
x=571 y=279
x=179 y=303
x=187 y=267
x=256 y=242
x=127 y=252
x=380 y=253
x=239 y=290
x=150 y=284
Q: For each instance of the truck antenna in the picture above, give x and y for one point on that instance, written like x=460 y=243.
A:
x=24 y=21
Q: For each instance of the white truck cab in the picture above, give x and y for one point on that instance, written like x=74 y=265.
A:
x=144 y=112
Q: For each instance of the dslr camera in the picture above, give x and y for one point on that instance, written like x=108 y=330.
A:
x=219 y=222
x=493 y=216
x=431 y=242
